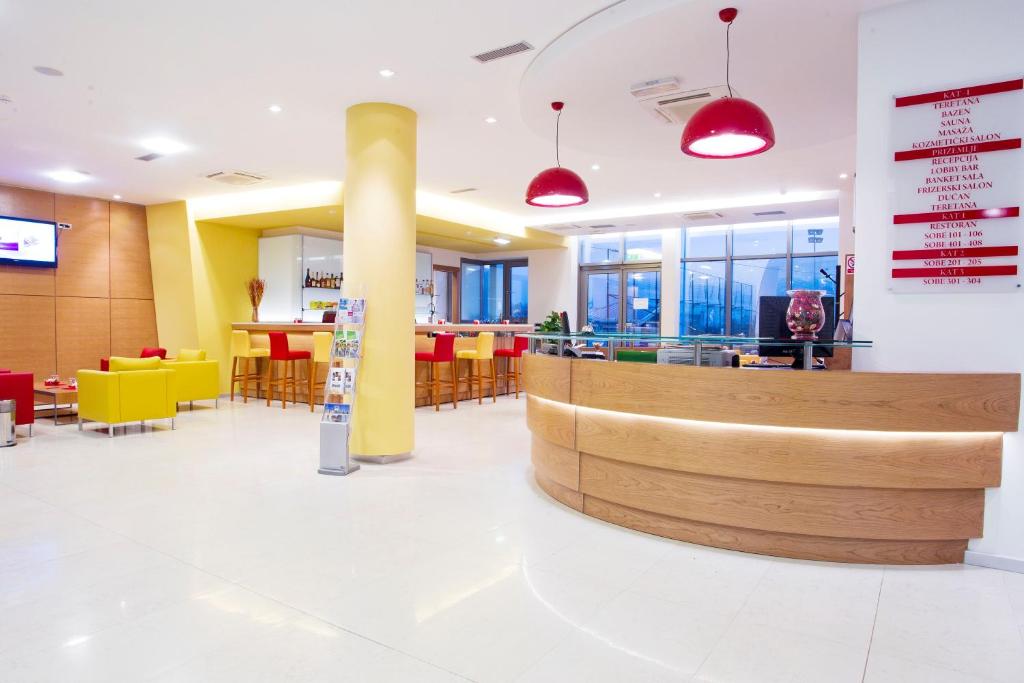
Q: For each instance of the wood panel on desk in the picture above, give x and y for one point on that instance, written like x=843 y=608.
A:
x=547 y=376
x=868 y=551
x=790 y=398
x=806 y=456
x=83 y=253
x=132 y=326
x=131 y=276
x=562 y=494
x=552 y=421
x=83 y=333
x=21 y=203
x=832 y=511
x=28 y=335
x=560 y=465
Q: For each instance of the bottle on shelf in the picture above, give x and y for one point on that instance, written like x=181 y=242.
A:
x=305 y=283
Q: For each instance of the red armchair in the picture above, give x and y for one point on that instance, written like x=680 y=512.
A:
x=147 y=352
x=18 y=386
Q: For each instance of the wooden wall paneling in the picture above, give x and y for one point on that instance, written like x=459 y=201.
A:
x=83 y=253
x=18 y=202
x=560 y=465
x=856 y=400
x=130 y=274
x=562 y=494
x=83 y=333
x=547 y=376
x=28 y=334
x=552 y=421
x=132 y=326
x=798 y=546
x=892 y=514
x=819 y=457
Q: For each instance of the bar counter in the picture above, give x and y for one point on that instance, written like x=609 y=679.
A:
x=300 y=337
x=831 y=465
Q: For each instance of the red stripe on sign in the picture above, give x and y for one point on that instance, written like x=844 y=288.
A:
x=946 y=216
x=977 y=271
x=960 y=93
x=957 y=150
x=954 y=253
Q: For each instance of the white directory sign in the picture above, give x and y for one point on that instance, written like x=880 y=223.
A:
x=958 y=185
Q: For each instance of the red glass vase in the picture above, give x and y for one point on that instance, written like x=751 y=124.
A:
x=806 y=314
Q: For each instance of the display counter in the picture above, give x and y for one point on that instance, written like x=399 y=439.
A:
x=300 y=337
x=830 y=465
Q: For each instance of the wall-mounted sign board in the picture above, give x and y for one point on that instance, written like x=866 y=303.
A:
x=958 y=186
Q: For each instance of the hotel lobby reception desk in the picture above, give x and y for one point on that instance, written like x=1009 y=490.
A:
x=840 y=466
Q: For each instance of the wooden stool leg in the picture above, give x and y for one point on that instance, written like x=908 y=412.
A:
x=245 y=381
x=270 y=380
x=282 y=376
x=234 y=375
x=515 y=377
x=494 y=382
x=455 y=383
x=259 y=379
x=311 y=371
x=434 y=377
x=479 y=383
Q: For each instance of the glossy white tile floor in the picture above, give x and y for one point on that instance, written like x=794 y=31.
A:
x=216 y=553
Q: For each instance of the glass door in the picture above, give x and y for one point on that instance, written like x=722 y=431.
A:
x=601 y=292
x=446 y=293
x=642 y=301
x=621 y=299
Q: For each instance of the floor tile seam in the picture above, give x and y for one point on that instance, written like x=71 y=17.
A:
x=936 y=665
x=874 y=622
x=732 y=621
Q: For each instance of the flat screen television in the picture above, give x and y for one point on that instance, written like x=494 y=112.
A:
x=27 y=242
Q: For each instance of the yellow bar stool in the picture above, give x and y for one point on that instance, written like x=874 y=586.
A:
x=241 y=348
x=484 y=351
x=321 y=354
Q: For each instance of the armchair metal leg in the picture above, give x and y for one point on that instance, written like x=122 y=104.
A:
x=190 y=408
x=30 y=431
x=142 y=425
x=216 y=402
x=172 y=424
x=79 y=424
x=110 y=431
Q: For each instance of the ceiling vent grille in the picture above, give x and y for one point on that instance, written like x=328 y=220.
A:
x=507 y=51
x=463 y=190
x=149 y=157
x=602 y=226
x=769 y=213
x=674 y=107
x=236 y=178
x=703 y=216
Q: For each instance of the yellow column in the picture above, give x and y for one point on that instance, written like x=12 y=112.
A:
x=380 y=265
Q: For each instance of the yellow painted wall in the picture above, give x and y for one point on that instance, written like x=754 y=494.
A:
x=170 y=255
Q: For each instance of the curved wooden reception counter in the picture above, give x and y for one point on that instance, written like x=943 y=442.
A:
x=840 y=466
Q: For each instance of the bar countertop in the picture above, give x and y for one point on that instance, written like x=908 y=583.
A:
x=420 y=329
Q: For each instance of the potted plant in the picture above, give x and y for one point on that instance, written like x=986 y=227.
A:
x=255 y=287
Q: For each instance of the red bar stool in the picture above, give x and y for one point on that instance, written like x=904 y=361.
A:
x=514 y=358
x=279 y=353
x=444 y=352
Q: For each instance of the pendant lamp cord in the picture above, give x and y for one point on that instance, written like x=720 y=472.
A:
x=727 y=56
x=558 y=118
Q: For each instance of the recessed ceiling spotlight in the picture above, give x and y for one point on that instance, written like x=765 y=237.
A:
x=490 y=119
x=657 y=195
x=163 y=145
x=595 y=167
x=68 y=176
x=843 y=176
x=117 y=196
x=47 y=71
x=502 y=241
x=275 y=109
x=386 y=73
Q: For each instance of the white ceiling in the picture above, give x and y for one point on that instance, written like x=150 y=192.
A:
x=205 y=72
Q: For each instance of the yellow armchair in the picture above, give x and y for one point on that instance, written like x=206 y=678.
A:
x=197 y=380
x=123 y=396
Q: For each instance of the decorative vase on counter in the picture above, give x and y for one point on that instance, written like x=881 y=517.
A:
x=806 y=315
x=255 y=314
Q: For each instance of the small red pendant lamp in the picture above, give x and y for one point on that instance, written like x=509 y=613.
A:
x=731 y=127
x=557 y=186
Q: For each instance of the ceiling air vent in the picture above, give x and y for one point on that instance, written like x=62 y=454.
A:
x=236 y=178
x=463 y=190
x=769 y=213
x=500 y=52
x=703 y=216
x=667 y=103
x=602 y=226
x=149 y=157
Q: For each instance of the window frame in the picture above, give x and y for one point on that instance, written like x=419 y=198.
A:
x=506 y=295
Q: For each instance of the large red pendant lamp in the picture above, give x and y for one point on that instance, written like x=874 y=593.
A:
x=731 y=127
x=557 y=186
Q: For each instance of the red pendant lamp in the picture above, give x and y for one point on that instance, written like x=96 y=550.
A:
x=557 y=186
x=731 y=127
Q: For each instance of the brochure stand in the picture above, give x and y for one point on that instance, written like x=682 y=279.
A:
x=340 y=388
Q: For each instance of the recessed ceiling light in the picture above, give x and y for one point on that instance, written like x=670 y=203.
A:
x=843 y=176
x=490 y=119
x=68 y=176
x=48 y=71
x=117 y=196
x=502 y=241
x=163 y=145
x=657 y=195
x=595 y=167
x=386 y=73
x=275 y=108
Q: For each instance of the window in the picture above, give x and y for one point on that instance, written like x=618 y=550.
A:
x=643 y=246
x=600 y=249
x=638 y=247
x=493 y=291
x=726 y=270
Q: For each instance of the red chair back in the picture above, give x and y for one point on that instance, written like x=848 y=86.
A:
x=444 y=348
x=150 y=351
x=279 y=346
x=520 y=344
x=18 y=386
